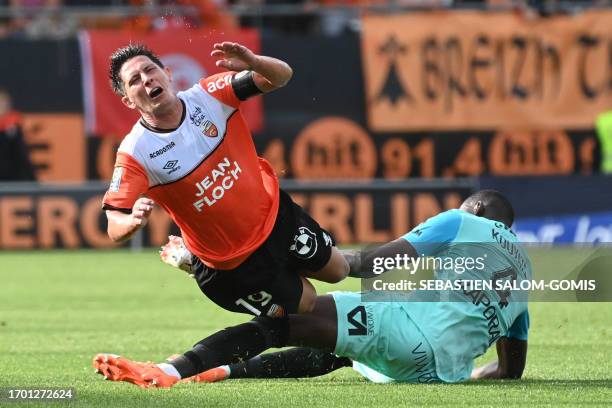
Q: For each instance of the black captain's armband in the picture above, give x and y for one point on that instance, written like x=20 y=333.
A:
x=244 y=85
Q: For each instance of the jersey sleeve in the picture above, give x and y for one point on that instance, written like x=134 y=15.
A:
x=129 y=182
x=220 y=87
x=429 y=237
x=520 y=327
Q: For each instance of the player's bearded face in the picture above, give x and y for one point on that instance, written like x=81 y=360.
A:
x=147 y=86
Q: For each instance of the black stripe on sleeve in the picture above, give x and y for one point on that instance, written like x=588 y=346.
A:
x=108 y=207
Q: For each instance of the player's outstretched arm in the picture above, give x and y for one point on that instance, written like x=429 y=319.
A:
x=512 y=356
x=269 y=73
x=362 y=263
x=122 y=226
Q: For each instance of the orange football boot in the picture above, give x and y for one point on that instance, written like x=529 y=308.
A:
x=209 y=376
x=144 y=375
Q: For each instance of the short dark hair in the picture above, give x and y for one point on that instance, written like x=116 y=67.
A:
x=121 y=56
x=495 y=203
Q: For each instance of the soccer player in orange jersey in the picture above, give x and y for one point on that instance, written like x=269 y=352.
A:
x=192 y=153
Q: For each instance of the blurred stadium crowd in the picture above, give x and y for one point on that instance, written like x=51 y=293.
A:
x=426 y=100
x=62 y=18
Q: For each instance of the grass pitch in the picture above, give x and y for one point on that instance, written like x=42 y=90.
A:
x=58 y=309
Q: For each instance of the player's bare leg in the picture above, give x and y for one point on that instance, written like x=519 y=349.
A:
x=309 y=297
x=318 y=329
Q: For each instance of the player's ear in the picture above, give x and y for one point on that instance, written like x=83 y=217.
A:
x=128 y=102
x=169 y=73
x=479 y=208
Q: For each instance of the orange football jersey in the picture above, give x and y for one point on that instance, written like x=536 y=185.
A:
x=206 y=174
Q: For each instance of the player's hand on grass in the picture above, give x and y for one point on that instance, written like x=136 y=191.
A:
x=490 y=371
x=234 y=56
x=141 y=211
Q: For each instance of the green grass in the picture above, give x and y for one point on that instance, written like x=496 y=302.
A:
x=58 y=309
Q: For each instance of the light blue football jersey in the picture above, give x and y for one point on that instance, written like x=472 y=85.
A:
x=462 y=326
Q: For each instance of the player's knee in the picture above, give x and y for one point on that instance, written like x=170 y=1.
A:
x=275 y=330
x=309 y=297
x=306 y=305
x=338 y=268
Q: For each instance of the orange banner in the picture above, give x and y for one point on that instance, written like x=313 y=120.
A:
x=71 y=216
x=57 y=146
x=484 y=70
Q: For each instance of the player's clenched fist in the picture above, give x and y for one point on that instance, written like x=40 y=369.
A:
x=141 y=211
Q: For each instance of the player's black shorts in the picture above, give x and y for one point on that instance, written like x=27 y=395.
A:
x=268 y=282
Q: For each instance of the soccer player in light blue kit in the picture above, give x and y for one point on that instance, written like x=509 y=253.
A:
x=457 y=326
x=422 y=336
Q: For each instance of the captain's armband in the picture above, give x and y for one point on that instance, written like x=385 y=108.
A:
x=244 y=85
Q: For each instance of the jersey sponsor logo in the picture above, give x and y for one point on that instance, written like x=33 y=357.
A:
x=220 y=83
x=357 y=318
x=116 y=180
x=304 y=243
x=489 y=312
x=212 y=188
x=423 y=362
x=197 y=117
x=362 y=321
x=162 y=150
x=171 y=166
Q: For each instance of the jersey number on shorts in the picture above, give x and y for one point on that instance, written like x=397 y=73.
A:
x=261 y=298
x=359 y=326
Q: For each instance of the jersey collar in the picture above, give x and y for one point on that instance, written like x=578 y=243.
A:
x=160 y=130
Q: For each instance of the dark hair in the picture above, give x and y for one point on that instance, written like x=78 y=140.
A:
x=495 y=203
x=121 y=56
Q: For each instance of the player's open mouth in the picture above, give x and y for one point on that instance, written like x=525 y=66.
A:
x=155 y=92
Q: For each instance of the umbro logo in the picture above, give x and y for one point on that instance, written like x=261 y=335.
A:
x=172 y=166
